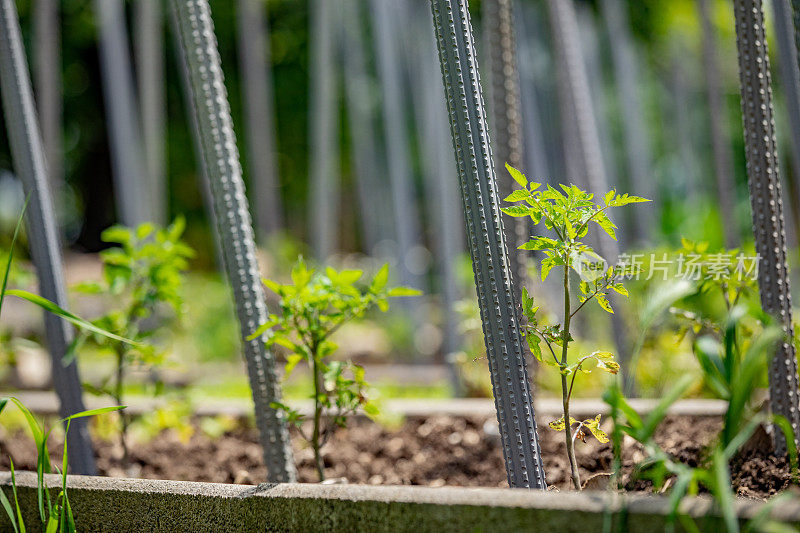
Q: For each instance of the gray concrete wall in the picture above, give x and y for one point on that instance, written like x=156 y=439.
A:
x=105 y=504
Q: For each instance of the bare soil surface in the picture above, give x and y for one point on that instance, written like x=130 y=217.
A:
x=434 y=451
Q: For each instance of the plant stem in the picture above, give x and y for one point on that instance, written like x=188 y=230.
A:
x=573 y=464
x=120 y=379
x=315 y=436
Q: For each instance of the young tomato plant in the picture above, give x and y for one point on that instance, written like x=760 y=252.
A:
x=312 y=308
x=143 y=278
x=568 y=215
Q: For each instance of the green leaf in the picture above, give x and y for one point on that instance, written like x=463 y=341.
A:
x=540 y=243
x=291 y=362
x=625 y=199
x=403 y=291
x=94 y=412
x=604 y=222
x=47 y=305
x=9 y=511
x=517 y=210
x=517 y=196
x=381 y=278
x=660 y=411
x=602 y=300
x=116 y=234
x=518 y=176
x=11 y=253
x=300 y=274
x=612 y=367
x=263 y=328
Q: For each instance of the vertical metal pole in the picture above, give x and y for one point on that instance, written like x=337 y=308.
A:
x=256 y=73
x=323 y=120
x=578 y=105
x=766 y=202
x=535 y=153
x=132 y=188
x=720 y=140
x=385 y=14
x=683 y=100
x=47 y=79
x=439 y=173
x=790 y=78
x=506 y=118
x=221 y=158
x=30 y=165
x=637 y=148
x=149 y=50
x=499 y=313
x=360 y=92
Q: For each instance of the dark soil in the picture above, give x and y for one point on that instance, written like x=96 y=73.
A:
x=434 y=451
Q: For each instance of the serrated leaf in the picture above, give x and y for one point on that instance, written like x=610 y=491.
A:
x=403 y=291
x=593 y=425
x=558 y=425
x=604 y=303
x=518 y=176
x=612 y=367
x=517 y=210
x=381 y=278
x=517 y=196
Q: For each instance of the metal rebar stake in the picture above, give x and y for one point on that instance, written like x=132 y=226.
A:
x=47 y=85
x=499 y=314
x=29 y=162
x=506 y=119
x=718 y=127
x=767 y=205
x=324 y=177
x=149 y=53
x=221 y=158
x=131 y=185
x=259 y=116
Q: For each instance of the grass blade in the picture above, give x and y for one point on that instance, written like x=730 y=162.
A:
x=47 y=305
x=93 y=412
x=657 y=415
x=20 y=520
x=11 y=253
x=9 y=511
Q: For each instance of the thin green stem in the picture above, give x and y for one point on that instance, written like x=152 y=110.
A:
x=565 y=390
x=315 y=435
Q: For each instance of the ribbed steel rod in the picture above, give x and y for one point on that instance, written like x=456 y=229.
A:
x=486 y=238
x=323 y=127
x=385 y=14
x=439 y=173
x=47 y=84
x=360 y=96
x=259 y=114
x=580 y=115
x=535 y=152
x=766 y=201
x=790 y=81
x=221 y=158
x=149 y=55
x=30 y=165
x=506 y=118
x=131 y=185
x=637 y=148
x=718 y=123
